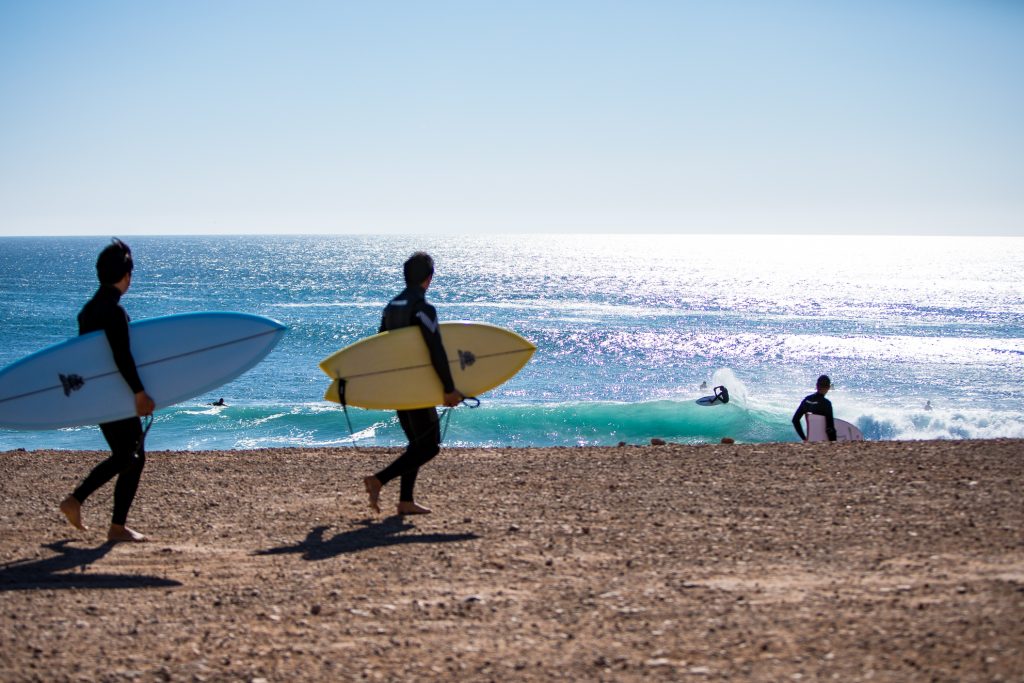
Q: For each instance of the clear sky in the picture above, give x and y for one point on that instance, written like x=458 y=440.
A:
x=224 y=116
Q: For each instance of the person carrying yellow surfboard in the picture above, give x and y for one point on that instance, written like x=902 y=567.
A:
x=421 y=426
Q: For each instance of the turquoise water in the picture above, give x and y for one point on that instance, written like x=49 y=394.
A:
x=627 y=328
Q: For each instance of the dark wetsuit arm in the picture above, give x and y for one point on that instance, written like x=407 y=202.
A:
x=426 y=320
x=116 y=329
x=830 y=423
x=797 y=417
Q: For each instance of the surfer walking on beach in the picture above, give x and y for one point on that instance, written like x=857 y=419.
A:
x=125 y=437
x=817 y=404
x=421 y=426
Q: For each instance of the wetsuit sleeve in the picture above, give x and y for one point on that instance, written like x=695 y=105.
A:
x=797 y=416
x=116 y=329
x=426 y=320
x=830 y=423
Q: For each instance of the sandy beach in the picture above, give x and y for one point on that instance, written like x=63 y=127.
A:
x=880 y=561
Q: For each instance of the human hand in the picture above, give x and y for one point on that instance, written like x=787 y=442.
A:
x=144 y=405
x=453 y=398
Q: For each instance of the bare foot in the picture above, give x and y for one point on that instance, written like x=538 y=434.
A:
x=373 y=487
x=122 y=534
x=410 y=508
x=72 y=509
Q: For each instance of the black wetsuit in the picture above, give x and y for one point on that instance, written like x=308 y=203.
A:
x=816 y=404
x=103 y=312
x=421 y=426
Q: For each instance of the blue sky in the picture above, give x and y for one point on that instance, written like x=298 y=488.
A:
x=218 y=116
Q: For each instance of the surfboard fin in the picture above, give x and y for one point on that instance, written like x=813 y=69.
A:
x=71 y=383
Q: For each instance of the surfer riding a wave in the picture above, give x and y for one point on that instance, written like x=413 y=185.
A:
x=721 y=396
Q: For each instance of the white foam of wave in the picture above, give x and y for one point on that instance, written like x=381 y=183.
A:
x=896 y=421
x=953 y=423
x=212 y=410
x=738 y=392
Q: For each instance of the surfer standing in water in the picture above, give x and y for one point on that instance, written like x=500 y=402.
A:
x=817 y=404
x=421 y=426
x=125 y=437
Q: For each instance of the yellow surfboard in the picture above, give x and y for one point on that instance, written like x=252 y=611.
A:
x=392 y=370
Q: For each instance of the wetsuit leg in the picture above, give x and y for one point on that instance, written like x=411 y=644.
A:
x=124 y=463
x=423 y=430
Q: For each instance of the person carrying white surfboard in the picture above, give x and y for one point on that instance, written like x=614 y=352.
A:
x=421 y=426
x=817 y=404
x=125 y=437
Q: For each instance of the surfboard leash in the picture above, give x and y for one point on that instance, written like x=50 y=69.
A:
x=344 y=409
x=146 y=424
x=447 y=415
x=469 y=401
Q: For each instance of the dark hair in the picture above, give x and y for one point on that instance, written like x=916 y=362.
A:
x=114 y=262
x=824 y=382
x=418 y=268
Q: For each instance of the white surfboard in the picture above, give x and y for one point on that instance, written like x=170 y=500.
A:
x=178 y=357
x=392 y=370
x=844 y=430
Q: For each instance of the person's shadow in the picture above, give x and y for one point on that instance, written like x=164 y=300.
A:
x=369 y=535
x=58 y=571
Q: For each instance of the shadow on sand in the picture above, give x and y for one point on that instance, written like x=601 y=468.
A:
x=58 y=572
x=370 y=535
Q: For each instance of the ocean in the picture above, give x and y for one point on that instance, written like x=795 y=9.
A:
x=627 y=328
